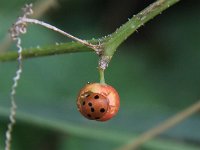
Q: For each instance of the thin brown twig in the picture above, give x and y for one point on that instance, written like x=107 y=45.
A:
x=162 y=127
x=51 y=27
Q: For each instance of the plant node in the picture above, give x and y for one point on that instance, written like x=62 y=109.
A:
x=104 y=61
x=98 y=48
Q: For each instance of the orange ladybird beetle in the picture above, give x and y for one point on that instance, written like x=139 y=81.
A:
x=98 y=101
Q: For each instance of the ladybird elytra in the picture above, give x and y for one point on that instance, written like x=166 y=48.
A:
x=98 y=101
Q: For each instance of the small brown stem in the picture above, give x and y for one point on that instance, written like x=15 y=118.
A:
x=84 y=42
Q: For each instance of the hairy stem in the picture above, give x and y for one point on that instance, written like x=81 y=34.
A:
x=121 y=34
x=110 y=43
x=59 y=48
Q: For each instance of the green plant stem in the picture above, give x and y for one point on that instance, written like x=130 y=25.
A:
x=71 y=47
x=121 y=34
x=110 y=43
x=101 y=73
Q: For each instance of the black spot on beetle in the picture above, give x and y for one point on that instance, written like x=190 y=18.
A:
x=90 y=104
x=83 y=103
x=102 y=110
x=96 y=97
x=92 y=109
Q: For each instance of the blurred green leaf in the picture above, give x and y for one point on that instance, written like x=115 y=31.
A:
x=156 y=75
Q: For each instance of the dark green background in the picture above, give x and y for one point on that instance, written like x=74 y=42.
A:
x=156 y=72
